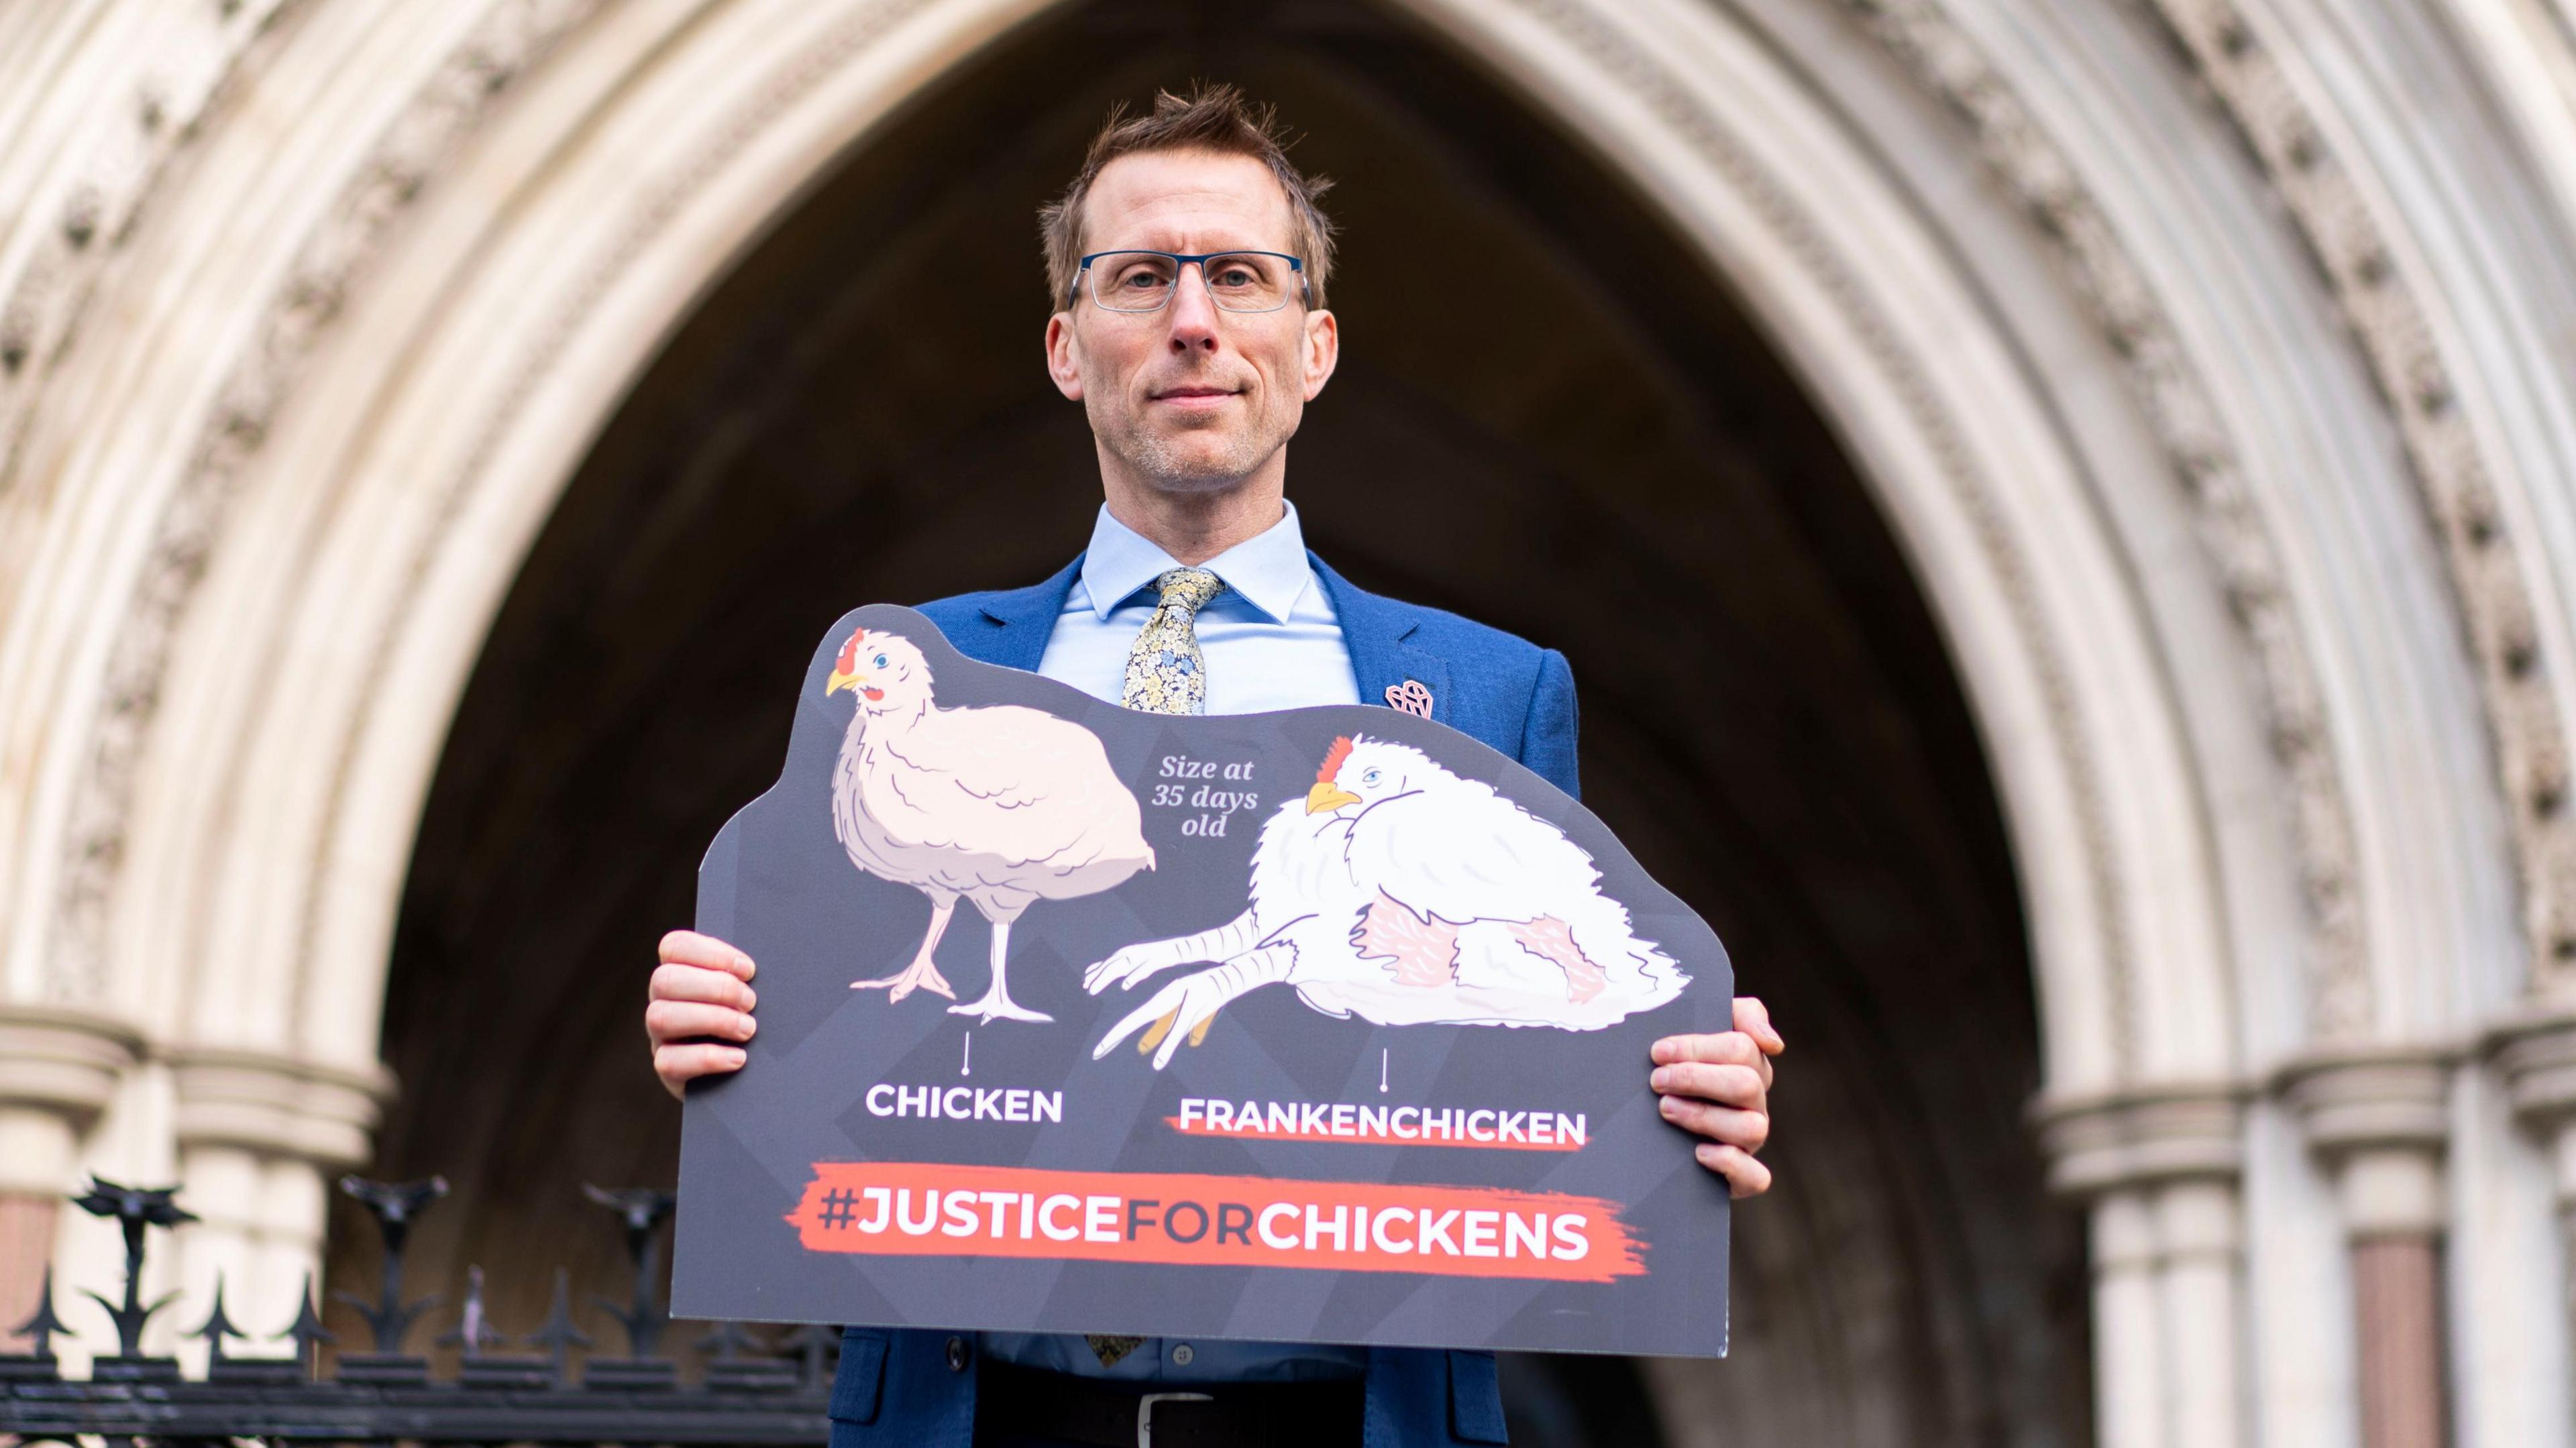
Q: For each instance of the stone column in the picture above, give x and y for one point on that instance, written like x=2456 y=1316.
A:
x=2160 y=1168
x=260 y=1137
x=57 y=1069
x=2380 y=1120
x=2537 y=1058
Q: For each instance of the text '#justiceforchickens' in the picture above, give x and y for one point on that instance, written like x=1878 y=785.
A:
x=1324 y=1025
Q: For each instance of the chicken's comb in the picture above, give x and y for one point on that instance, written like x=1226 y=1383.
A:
x=848 y=662
x=1333 y=758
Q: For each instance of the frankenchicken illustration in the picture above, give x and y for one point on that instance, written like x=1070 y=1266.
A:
x=1398 y=891
x=1003 y=806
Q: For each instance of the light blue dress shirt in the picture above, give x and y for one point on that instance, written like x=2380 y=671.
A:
x=1269 y=636
x=1271 y=641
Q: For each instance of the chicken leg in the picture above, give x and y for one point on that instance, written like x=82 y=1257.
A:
x=1133 y=963
x=996 y=1002
x=1185 y=1006
x=923 y=973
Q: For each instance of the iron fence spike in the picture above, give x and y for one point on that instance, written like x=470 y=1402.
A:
x=729 y=1341
x=217 y=1326
x=559 y=1336
x=395 y=1206
x=643 y=1210
x=307 y=1330
x=813 y=1343
x=131 y=1317
x=752 y=1404
x=136 y=1209
x=474 y=1331
x=42 y=1325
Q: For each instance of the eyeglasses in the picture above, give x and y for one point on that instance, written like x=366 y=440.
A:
x=1237 y=281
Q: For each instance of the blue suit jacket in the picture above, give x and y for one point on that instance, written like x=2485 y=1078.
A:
x=916 y=1387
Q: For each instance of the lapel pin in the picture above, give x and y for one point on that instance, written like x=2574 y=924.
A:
x=1410 y=697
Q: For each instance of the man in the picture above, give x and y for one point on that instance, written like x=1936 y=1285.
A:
x=1188 y=261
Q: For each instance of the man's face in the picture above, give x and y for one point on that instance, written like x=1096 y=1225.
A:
x=1189 y=398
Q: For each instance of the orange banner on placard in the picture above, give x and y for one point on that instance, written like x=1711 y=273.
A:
x=927 y=1209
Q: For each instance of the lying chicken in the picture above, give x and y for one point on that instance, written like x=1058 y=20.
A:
x=1004 y=806
x=1402 y=893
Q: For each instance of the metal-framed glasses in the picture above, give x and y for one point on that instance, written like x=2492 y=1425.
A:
x=1144 y=281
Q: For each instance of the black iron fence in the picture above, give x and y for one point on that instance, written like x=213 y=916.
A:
x=749 y=1391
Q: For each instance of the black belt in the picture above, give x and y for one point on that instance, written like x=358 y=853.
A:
x=1035 y=1403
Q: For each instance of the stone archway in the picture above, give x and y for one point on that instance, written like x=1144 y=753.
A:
x=2225 y=469
x=855 y=412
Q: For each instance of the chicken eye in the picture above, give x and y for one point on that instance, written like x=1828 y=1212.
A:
x=1369 y=778
x=881 y=663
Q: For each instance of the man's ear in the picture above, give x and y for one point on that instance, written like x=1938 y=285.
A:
x=1064 y=356
x=1323 y=351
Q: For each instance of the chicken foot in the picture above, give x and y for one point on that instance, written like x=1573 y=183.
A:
x=1132 y=963
x=923 y=973
x=1162 y=1027
x=996 y=1002
x=1185 y=1006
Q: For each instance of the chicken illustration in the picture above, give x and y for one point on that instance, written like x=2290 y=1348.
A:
x=1398 y=891
x=1003 y=806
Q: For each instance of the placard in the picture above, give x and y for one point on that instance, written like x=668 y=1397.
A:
x=1322 y=1025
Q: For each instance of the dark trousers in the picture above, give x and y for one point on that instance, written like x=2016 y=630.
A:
x=1029 y=1408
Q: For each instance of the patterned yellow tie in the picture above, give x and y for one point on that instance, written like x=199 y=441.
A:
x=1110 y=1349
x=1166 y=674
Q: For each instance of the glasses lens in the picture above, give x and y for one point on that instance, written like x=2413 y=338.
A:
x=1142 y=281
x=1132 y=281
x=1248 y=281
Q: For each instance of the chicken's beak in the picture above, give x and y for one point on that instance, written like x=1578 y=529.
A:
x=838 y=682
x=1327 y=795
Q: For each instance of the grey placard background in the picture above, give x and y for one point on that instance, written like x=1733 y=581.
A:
x=777 y=883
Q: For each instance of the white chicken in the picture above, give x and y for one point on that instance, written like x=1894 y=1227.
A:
x=1003 y=805
x=1402 y=893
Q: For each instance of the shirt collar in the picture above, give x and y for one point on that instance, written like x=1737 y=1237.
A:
x=1269 y=570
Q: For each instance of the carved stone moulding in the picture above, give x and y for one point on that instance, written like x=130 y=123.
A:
x=2351 y=1100
x=2380 y=1119
x=2143 y=1137
x=142 y=106
x=510 y=37
x=58 y=1068
x=2363 y=265
x=2177 y=402
x=63 y=1059
x=277 y=1105
x=2536 y=1055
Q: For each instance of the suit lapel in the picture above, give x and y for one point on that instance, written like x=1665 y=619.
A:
x=1023 y=619
x=1375 y=630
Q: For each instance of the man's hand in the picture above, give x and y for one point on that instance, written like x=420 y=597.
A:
x=701 y=999
x=1719 y=1086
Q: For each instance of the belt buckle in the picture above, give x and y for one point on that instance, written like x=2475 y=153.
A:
x=1145 y=1412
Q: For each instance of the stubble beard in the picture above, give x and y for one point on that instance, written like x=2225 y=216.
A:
x=1179 y=460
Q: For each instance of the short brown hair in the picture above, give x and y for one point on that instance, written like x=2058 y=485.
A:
x=1210 y=118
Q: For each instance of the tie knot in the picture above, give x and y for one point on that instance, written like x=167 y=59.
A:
x=1188 y=589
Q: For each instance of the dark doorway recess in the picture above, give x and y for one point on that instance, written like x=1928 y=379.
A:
x=1551 y=416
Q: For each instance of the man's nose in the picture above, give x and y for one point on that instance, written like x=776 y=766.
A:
x=1193 y=312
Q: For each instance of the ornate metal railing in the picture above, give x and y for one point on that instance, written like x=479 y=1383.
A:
x=747 y=1392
